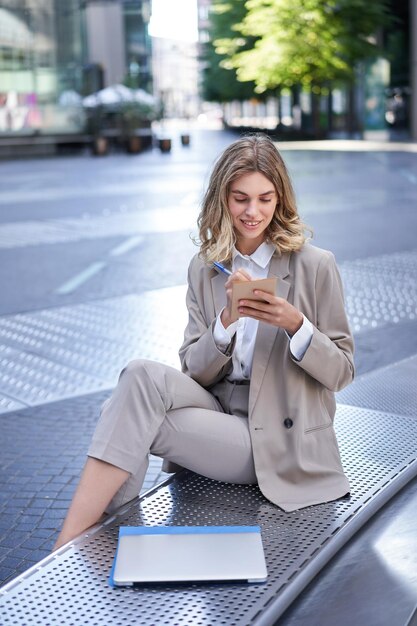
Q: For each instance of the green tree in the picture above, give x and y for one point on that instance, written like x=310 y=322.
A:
x=304 y=42
x=220 y=82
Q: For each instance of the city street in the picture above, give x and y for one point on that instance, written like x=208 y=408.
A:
x=93 y=268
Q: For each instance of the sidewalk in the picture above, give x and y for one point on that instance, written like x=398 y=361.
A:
x=45 y=445
x=61 y=355
x=43 y=452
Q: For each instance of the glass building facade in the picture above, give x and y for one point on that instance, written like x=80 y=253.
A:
x=136 y=16
x=44 y=67
x=41 y=59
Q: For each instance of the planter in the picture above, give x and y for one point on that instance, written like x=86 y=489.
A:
x=100 y=146
x=133 y=144
x=185 y=139
x=164 y=145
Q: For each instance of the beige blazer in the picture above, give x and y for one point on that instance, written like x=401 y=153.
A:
x=291 y=403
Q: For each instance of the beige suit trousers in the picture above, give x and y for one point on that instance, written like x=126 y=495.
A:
x=156 y=408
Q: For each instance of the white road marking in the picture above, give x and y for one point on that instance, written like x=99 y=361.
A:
x=75 y=282
x=127 y=245
x=80 y=278
x=409 y=176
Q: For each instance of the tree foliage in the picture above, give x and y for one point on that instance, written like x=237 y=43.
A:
x=302 y=42
x=220 y=82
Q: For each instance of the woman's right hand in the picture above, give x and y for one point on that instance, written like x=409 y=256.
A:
x=238 y=276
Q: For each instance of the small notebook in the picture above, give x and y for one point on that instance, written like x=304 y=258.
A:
x=172 y=554
x=244 y=290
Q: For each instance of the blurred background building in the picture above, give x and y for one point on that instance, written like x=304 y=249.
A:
x=175 y=74
x=55 y=53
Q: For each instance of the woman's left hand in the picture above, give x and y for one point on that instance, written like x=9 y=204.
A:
x=272 y=310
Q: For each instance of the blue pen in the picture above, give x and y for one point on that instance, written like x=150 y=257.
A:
x=222 y=268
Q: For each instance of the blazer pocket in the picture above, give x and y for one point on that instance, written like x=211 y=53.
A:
x=322 y=421
x=320 y=427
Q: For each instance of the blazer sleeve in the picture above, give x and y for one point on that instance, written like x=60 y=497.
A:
x=329 y=357
x=200 y=357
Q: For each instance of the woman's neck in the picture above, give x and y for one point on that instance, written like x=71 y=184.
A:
x=248 y=247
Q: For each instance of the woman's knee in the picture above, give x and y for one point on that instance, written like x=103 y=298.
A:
x=139 y=367
x=149 y=376
x=159 y=374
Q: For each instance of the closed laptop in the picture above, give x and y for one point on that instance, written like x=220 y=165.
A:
x=169 y=554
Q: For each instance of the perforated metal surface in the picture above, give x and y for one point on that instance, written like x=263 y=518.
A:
x=67 y=351
x=8 y=404
x=34 y=380
x=60 y=352
x=392 y=389
x=381 y=290
x=379 y=455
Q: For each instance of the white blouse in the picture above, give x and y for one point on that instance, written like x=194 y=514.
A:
x=257 y=265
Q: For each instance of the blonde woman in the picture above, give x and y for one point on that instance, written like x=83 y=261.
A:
x=254 y=402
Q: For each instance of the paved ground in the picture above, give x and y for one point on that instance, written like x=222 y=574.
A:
x=84 y=267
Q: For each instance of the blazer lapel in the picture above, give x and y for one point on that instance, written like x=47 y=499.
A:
x=267 y=333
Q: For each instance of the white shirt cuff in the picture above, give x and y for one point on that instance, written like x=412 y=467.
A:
x=300 y=341
x=223 y=336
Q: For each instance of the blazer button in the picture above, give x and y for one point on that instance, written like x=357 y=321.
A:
x=288 y=423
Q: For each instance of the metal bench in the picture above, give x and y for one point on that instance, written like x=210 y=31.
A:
x=70 y=586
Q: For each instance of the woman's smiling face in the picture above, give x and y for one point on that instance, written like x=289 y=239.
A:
x=252 y=200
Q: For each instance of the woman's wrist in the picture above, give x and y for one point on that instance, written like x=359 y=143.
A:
x=225 y=318
x=298 y=322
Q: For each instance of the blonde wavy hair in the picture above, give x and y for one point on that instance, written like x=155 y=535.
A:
x=252 y=153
